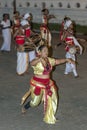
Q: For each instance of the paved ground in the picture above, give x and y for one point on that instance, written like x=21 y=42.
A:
x=72 y=110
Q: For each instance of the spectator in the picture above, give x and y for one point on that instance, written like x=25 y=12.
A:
x=6 y=33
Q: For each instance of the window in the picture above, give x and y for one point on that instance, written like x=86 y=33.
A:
x=60 y=4
x=6 y=5
x=35 y=5
x=51 y=5
x=78 y=5
x=68 y=6
x=43 y=5
x=27 y=4
x=86 y=7
x=20 y=5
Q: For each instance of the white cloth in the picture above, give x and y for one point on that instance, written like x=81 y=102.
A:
x=32 y=55
x=67 y=24
x=6 y=33
x=22 y=62
x=24 y=22
x=26 y=15
x=77 y=44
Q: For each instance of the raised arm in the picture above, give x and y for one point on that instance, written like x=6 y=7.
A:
x=35 y=61
x=61 y=61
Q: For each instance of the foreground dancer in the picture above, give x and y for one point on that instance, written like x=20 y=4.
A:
x=42 y=88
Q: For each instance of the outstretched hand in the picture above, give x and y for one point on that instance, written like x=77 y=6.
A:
x=69 y=60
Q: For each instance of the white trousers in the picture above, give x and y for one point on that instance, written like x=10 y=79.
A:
x=71 y=67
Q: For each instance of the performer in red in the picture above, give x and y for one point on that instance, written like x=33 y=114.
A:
x=22 y=56
x=42 y=88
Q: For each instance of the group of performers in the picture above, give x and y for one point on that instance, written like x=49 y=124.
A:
x=35 y=51
x=42 y=88
x=25 y=38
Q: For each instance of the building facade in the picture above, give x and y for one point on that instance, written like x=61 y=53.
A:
x=75 y=9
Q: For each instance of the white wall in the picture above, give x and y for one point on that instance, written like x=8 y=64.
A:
x=77 y=14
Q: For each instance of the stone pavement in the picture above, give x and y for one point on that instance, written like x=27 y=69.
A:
x=72 y=110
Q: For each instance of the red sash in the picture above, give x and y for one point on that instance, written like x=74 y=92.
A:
x=20 y=40
x=69 y=41
x=44 y=82
x=27 y=32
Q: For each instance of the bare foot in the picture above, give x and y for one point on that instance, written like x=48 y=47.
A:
x=23 y=110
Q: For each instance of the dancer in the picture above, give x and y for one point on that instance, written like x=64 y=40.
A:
x=16 y=21
x=42 y=88
x=45 y=32
x=6 y=33
x=22 y=56
x=72 y=47
x=63 y=29
x=29 y=32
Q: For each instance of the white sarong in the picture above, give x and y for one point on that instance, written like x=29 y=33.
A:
x=6 y=33
x=22 y=62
